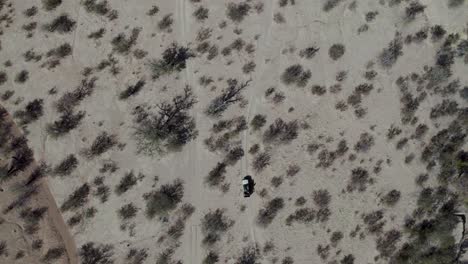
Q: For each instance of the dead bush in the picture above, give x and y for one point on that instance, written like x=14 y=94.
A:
x=237 y=11
x=336 y=51
x=77 y=198
x=61 y=24
x=359 y=181
x=322 y=198
x=261 y=161
x=267 y=214
x=165 y=199
x=217 y=175
x=231 y=95
x=127 y=211
x=296 y=74
x=126 y=183
x=174 y=59
x=90 y=253
x=171 y=128
x=281 y=131
x=391 y=198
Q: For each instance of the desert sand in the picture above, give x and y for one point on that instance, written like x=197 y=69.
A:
x=351 y=116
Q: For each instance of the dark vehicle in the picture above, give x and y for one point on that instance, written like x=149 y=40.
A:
x=248 y=184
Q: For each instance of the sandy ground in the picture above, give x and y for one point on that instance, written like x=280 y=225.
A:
x=276 y=47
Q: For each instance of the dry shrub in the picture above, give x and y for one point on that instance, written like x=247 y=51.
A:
x=173 y=59
x=77 y=198
x=165 y=199
x=309 y=52
x=66 y=166
x=126 y=183
x=214 y=224
x=261 y=161
x=281 y=131
x=66 y=122
x=365 y=142
x=447 y=107
x=61 y=24
x=386 y=244
x=391 y=198
x=201 y=13
x=389 y=55
x=211 y=258
x=217 y=175
x=374 y=221
x=322 y=198
x=90 y=253
x=237 y=11
x=268 y=213
x=359 y=181
x=136 y=256
x=101 y=144
x=127 y=211
x=258 y=121
x=231 y=95
x=32 y=112
x=53 y=254
x=296 y=74
x=330 y=4
x=121 y=44
x=249 y=256
x=302 y=215
x=336 y=51
x=336 y=237
x=413 y=10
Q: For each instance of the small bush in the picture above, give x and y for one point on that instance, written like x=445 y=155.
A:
x=447 y=107
x=201 y=13
x=127 y=211
x=22 y=76
x=231 y=95
x=153 y=11
x=302 y=215
x=234 y=155
x=374 y=221
x=62 y=24
x=121 y=44
x=237 y=11
x=276 y=181
x=281 y=132
x=336 y=51
x=214 y=224
x=3 y=78
x=53 y=254
x=269 y=212
x=296 y=74
x=132 y=90
x=359 y=180
x=67 y=122
x=101 y=144
x=261 y=161
x=211 y=258
x=217 y=175
x=165 y=199
x=166 y=23
x=318 y=90
x=32 y=112
x=77 y=199
x=365 y=142
x=258 y=121
x=126 y=183
x=173 y=60
x=249 y=256
x=413 y=10
x=309 y=52
x=390 y=55
x=248 y=67
x=322 y=198
x=136 y=256
x=330 y=4
x=391 y=198
x=348 y=259
x=51 y=4
x=90 y=253
x=386 y=244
